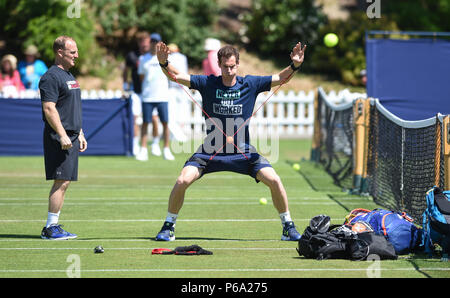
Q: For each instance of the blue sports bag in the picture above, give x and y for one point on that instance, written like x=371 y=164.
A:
x=398 y=228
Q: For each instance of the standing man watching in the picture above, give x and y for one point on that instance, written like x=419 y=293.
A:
x=63 y=135
x=131 y=65
x=155 y=95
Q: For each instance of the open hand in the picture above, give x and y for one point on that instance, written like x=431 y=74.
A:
x=162 y=52
x=298 y=54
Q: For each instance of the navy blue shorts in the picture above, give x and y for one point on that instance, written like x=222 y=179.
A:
x=163 y=111
x=232 y=162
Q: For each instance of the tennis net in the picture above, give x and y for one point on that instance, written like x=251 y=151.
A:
x=405 y=160
x=335 y=140
x=401 y=159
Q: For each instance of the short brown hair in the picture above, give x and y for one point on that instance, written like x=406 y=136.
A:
x=60 y=42
x=142 y=35
x=226 y=52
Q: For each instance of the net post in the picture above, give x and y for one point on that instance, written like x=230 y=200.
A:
x=446 y=145
x=364 y=180
x=361 y=114
x=316 y=131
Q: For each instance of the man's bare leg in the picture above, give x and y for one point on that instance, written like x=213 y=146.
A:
x=176 y=199
x=56 y=200
x=280 y=201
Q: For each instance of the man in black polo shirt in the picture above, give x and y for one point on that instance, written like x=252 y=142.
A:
x=63 y=135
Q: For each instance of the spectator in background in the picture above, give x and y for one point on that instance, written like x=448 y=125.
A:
x=179 y=103
x=210 y=63
x=155 y=94
x=363 y=75
x=32 y=69
x=10 y=83
x=178 y=59
x=132 y=63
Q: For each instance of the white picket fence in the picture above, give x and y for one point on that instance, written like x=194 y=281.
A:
x=288 y=114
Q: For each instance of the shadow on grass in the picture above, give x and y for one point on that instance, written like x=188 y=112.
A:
x=178 y=238
x=18 y=236
x=314 y=174
x=214 y=239
x=320 y=181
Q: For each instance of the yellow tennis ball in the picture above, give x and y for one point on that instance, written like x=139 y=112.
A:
x=330 y=40
x=296 y=166
x=263 y=201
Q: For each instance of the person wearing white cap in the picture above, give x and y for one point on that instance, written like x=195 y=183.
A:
x=155 y=95
x=210 y=64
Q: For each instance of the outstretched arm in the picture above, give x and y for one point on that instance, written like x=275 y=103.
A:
x=162 y=53
x=297 y=56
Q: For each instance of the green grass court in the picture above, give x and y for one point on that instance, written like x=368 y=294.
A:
x=120 y=203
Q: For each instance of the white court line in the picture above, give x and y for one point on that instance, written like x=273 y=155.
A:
x=165 y=199
x=142 y=248
x=165 y=203
x=9 y=187
x=224 y=270
x=145 y=240
x=144 y=176
x=152 y=220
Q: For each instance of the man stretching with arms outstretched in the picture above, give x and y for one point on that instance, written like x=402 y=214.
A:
x=228 y=102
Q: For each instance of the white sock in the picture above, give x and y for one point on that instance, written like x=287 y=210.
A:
x=52 y=219
x=286 y=216
x=171 y=217
x=155 y=140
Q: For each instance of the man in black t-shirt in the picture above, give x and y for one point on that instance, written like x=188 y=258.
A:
x=63 y=134
x=132 y=60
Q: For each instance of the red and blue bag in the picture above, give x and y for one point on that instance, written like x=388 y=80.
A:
x=398 y=228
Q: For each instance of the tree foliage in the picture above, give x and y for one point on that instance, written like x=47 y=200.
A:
x=185 y=22
x=274 y=26
x=39 y=22
x=347 y=59
x=419 y=15
x=271 y=28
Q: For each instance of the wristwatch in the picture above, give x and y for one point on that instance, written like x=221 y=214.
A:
x=293 y=67
x=165 y=64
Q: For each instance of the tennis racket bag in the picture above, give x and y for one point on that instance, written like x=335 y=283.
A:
x=398 y=228
x=320 y=240
x=436 y=220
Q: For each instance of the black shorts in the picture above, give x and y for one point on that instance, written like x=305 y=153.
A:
x=250 y=164
x=60 y=164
